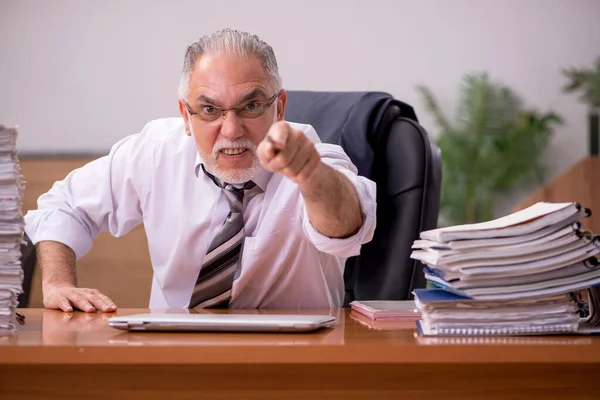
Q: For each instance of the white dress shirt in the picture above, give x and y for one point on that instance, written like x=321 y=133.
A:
x=155 y=178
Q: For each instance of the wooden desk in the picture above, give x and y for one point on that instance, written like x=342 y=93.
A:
x=77 y=356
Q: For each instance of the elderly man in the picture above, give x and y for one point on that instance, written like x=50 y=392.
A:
x=241 y=208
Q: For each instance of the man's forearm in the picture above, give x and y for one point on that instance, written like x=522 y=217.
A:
x=57 y=262
x=332 y=203
x=59 y=282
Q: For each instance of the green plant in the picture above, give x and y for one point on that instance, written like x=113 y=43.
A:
x=586 y=81
x=493 y=146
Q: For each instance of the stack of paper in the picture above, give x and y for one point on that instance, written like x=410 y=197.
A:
x=387 y=310
x=447 y=313
x=389 y=324
x=526 y=259
x=385 y=314
x=535 y=252
x=11 y=228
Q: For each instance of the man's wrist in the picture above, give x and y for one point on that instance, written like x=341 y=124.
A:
x=57 y=284
x=313 y=188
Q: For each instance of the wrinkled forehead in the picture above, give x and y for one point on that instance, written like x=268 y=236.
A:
x=229 y=78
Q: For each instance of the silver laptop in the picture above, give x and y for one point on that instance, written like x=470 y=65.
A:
x=221 y=322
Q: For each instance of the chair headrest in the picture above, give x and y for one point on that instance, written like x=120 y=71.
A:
x=349 y=119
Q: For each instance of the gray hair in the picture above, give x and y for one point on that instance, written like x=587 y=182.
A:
x=232 y=42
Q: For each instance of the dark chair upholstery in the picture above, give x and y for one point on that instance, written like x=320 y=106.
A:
x=28 y=261
x=383 y=138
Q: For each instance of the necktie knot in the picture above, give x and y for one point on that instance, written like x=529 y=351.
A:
x=228 y=186
x=247 y=186
x=234 y=195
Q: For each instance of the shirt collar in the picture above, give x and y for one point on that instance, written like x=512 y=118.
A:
x=261 y=178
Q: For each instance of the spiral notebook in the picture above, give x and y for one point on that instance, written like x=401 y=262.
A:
x=449 y=314
x=541 y=215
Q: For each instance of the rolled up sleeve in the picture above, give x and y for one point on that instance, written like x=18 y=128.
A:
x=335 y=157
x=58 y=225
x=102 y=195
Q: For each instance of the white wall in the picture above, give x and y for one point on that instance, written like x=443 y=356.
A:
x=78 y=75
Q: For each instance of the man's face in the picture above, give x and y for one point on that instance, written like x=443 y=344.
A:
x=228 y=144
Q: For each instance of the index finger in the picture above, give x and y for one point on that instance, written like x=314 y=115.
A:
x=274 y=145
x=278 y=134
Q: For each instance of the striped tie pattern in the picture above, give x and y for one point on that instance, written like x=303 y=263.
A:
x=214 y=283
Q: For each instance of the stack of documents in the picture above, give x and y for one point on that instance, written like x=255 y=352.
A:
x=385 y=314
x=534 y=252
x=447 y=313
x=517 y=271
x=384 y=324
x=387 y=310
x=11 y=228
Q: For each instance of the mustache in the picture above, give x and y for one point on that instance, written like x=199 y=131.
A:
x=244 y=143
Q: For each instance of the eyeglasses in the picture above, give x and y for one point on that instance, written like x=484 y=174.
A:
x=250 y=110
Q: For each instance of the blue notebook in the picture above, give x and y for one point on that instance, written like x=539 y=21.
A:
x=437 y=295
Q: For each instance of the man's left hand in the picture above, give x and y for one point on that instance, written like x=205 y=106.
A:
x=289 y=152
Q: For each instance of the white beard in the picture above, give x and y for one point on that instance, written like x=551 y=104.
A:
x=233 y=176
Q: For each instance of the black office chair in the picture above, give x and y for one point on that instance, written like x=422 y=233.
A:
x=28 y=261
x=384 y=140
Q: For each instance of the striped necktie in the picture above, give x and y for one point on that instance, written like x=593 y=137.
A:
x=214 y=283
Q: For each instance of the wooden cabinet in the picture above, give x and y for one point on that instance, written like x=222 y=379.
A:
x=580 y=183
